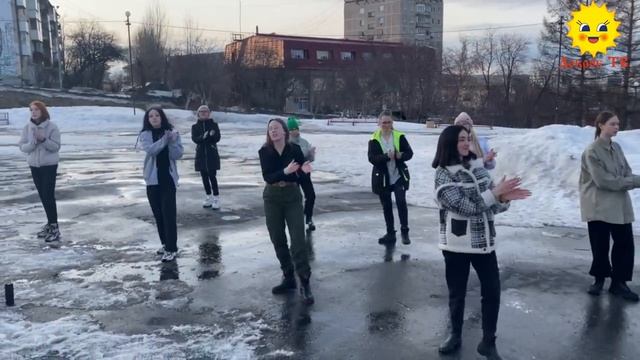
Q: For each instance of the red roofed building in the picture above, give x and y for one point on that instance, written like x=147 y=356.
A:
x=310 y=66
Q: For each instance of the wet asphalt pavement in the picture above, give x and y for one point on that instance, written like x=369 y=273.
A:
x=371 y=302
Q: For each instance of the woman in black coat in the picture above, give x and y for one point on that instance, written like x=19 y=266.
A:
x=206 y=134
x=388 y=152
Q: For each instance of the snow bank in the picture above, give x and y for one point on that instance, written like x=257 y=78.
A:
x=548 y=158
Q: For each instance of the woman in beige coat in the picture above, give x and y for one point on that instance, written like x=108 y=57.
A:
x=605 y=181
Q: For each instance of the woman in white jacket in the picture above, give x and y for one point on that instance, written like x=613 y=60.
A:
x=40 y=140
x=468 y=200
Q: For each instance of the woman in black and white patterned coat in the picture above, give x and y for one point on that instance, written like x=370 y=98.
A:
x=468 y=200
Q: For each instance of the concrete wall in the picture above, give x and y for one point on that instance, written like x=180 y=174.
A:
x=9 y=54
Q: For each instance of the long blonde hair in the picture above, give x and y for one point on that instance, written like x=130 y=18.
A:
x=476 y=144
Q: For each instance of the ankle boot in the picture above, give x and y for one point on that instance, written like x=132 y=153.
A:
x=451 y=343
x=305 y=292
x=388 y=239
x=620 y=288
x=487 y=348
x=596 y=287
x=288 y=283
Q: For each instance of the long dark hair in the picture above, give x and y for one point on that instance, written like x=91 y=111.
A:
x=447 y=151
x=269 y=143
x=602 y=119
x=164 y=125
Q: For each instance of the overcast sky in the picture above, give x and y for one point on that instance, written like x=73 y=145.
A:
x=298 y=17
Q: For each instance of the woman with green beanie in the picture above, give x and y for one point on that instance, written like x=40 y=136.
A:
x=309 y=153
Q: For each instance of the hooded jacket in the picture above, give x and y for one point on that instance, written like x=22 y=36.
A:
x=467 y=206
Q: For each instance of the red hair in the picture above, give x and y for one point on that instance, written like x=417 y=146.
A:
x=44 y=113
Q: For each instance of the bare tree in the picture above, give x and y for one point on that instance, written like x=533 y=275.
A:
x=458 y=65
x=484 y=57
x=90 y=50
x=151 y=45
x=628 y=13
x=511 y=55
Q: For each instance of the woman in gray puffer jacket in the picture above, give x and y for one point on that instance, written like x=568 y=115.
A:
x=40 y=140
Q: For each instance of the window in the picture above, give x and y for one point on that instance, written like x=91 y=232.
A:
x=302 y=103
x=381 y=20
x=371 y=26
x=381 y=8
x=299 y=54
x=421 y=8
x=33 y=24
x=371 y=14
x=347 y=55
x=323 y=55
x=361 y=22
x=380 y=32
x=361 y=11
x=367 y=56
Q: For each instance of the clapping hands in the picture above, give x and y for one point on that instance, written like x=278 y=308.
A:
x=509 y=189
x=172 y=135
x=294 y=166
x=490 y=155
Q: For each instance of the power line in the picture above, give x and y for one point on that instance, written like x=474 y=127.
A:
x=311 y=34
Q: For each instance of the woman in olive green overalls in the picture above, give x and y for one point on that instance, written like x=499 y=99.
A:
x=282 y=167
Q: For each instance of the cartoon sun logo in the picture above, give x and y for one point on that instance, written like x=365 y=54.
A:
x=593 y=29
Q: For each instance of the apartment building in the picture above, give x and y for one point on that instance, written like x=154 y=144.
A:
x=411 y=22
x=31 y=48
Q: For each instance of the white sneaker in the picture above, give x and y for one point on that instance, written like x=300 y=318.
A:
x=215 y=203
x=160 y=251
x=169 y=256
x=207 y=202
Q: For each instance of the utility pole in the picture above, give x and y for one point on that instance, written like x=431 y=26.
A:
x=560 y=24
x=133 y=89
x=60 y=39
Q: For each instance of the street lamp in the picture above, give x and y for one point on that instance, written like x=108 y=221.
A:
x=128 y=23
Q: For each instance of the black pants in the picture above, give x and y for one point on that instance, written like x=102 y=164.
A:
x=44 y=178
x=621 y=254
x=162 y=199
x=209 y=181
x=457 y=273
x=387 y=206
x=309 y=196
x=283 y=209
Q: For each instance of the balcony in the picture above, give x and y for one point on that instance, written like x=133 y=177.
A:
x=36 y=35
x=33 y=5
x=21 y=4
x=23 y=26
x=33 y=14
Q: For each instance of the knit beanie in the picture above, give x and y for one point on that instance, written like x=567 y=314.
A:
x=292 y=123
x=463 y=120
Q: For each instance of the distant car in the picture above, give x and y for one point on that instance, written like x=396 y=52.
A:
x=160 y=90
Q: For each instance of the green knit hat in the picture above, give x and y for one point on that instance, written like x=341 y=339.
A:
x=292 y=123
